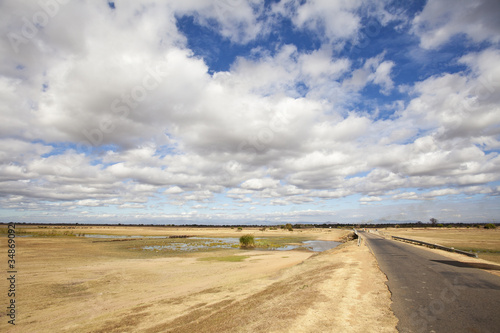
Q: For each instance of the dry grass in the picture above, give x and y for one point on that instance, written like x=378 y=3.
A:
x=72 y=284
x=225 y=258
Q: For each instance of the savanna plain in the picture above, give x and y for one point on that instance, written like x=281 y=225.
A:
x=70 y=282
x=136 y=279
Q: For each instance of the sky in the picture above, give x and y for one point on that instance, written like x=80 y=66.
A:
x=249 y=112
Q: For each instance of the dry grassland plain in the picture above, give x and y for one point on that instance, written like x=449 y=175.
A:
x=79 y=284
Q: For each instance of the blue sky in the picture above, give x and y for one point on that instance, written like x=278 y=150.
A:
x=242 y=112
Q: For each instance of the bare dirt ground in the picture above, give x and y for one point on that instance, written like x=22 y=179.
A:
x=74 y=284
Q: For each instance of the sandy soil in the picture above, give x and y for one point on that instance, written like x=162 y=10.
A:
x=68 y=284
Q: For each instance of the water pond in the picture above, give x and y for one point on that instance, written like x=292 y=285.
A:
x=321 y=245
x=205 y=243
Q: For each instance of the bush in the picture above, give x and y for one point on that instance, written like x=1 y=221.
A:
x=289 y=227
x=490 y=226
x=240 y=228
x=247 y=241
x=440 y=225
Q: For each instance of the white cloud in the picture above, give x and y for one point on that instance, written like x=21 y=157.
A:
x=319 y=64
x=259 y=184
x=441 y=192
x=370 y=199
x=337 y=19
x=173 y=190
x=131 y=206
x=120 y=113
x=440 y=20
x=375 y=71
x=382 y=76
x=236 y=20
x=407 y=196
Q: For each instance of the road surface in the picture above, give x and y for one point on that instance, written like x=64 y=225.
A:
x=433 y=293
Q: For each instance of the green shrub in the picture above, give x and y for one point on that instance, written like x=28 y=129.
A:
x=440 y=225
x=490 y=226
x=288 y=227
x=247 y=241
x=240 y=228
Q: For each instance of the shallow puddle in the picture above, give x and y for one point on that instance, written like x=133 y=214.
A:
x=205 y=243
x=320 y=246
x=199 y=244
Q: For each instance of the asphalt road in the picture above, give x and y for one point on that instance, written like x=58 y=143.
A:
x=433 y=293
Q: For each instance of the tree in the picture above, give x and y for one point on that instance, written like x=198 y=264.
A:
x=433 y=221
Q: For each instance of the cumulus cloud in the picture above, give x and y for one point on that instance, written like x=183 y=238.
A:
x=121 y=113
x=259 y=184
x=440 y=20
x=336 y=18
x=370 y=199
x=339 y=21
x=375 y=71
x=237 y=20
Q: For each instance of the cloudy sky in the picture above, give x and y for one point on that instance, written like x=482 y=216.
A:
x=233 y=111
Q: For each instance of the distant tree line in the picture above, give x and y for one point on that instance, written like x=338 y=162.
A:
x=288 y=226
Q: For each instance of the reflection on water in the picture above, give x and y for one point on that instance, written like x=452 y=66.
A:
x=200 y=243
x=320 y=246
x=204 y=243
